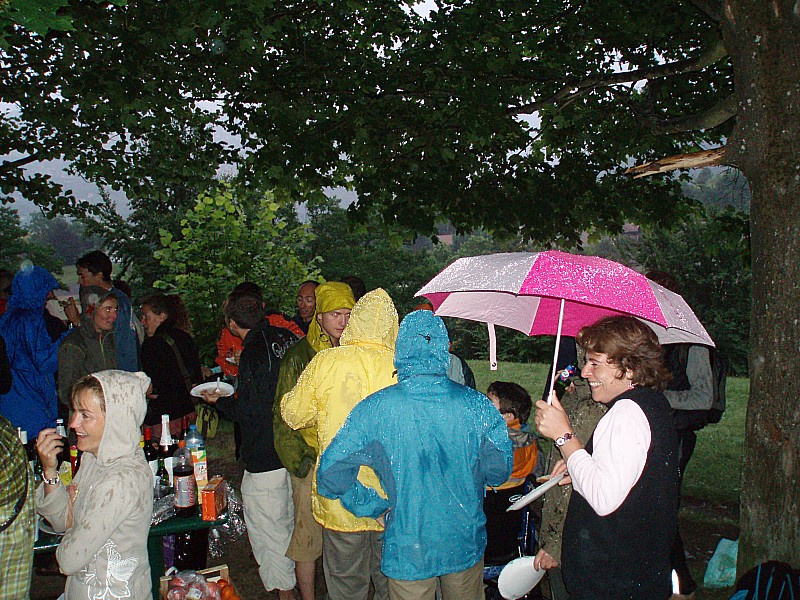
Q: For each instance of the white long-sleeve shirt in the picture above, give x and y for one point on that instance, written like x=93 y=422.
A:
x=620 y=445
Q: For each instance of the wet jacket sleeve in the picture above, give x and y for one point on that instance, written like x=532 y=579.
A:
x=496 y=452
x=299 y=406
x=295 y=454
x=337 y=474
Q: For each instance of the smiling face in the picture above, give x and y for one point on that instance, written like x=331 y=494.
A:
x=606 y=380
x=105 y=315
x=88 y=421
x=334 y=322
x=306 y=301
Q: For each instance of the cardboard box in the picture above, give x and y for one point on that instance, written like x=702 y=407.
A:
x=215 y=498
x=212 y=574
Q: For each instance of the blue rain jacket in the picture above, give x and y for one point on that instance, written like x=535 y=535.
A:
x=32 y=402
x=435 y=445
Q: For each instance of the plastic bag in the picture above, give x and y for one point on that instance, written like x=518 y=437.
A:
x=721 y=570
x=233 y=528
x=190 y=585
x=163 y=509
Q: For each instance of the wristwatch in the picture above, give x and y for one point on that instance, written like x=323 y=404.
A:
x=564 y=439
x=54 y=481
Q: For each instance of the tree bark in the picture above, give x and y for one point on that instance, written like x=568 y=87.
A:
x=762 y=40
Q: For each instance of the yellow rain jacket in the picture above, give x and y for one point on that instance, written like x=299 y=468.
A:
x=335 y=381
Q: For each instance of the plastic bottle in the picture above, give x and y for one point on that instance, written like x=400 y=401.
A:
x=183 y=482
x=196 y=445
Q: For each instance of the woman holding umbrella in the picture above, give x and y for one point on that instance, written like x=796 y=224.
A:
x=620 y=523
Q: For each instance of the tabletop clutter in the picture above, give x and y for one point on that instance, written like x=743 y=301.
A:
x=182 y=489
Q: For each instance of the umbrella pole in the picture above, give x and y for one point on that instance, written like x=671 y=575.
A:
x=492 y=347
x=558 y=345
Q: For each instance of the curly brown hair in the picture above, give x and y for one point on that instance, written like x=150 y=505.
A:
x=629 y=344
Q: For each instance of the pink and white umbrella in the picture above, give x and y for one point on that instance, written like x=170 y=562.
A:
x=554 y=293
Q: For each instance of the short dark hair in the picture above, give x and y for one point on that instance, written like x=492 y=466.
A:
x=250 y=289
x=244 y=310
x=356 y=284
x=513 y=398
x=629 y=344
x=664 y=279
x=96 y=262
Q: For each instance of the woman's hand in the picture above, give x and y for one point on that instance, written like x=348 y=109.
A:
x=558 y=468
x=48 y=445
x=71 y=311
x=551 y=419
x=544 y=561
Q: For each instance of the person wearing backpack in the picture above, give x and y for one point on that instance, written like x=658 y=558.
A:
x=691 y=396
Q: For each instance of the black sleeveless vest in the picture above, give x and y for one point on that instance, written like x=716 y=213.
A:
x=625 y=555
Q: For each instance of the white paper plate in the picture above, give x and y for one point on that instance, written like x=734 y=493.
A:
x=225 y=389
x=45 y=527
x=518 y=578
x=536 y=493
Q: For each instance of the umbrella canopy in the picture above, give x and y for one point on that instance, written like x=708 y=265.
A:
x=554 y=293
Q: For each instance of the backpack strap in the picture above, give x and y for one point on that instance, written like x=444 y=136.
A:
x=187 y=381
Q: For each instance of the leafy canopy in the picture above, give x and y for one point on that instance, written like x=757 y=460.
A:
x=231 y=236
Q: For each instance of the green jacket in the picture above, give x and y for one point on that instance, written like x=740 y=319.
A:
x=82 y=352
x=293 y=447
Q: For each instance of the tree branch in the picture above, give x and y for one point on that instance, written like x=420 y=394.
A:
x=710 y=8
x=724 y=110
x=10 y=165
x=690 y=65
x=694 y=160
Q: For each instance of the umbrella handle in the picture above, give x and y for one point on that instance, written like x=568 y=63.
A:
x=555 y=354
x=492 y=347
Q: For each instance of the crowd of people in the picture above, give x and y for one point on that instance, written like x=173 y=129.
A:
x=361 y=444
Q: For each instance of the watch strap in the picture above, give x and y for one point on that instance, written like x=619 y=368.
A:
x=564 y=439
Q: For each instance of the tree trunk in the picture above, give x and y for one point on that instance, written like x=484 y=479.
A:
x=763 y=38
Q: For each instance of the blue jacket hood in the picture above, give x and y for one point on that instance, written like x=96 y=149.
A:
x=30 y=287
x=423 y=346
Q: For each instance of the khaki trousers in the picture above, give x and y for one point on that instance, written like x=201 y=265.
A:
x=464 y=585
x=351 y=560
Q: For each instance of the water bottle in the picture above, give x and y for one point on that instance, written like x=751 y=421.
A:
x=183 y=482
x=196 y=446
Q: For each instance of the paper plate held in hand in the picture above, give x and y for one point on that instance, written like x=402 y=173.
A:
x=536 y=493
x=224 y=389
x=518 y=578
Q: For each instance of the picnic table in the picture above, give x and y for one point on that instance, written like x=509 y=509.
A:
x=48 y=542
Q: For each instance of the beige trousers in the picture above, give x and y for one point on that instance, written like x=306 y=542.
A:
x=464 y=585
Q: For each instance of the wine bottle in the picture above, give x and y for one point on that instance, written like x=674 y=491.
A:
x=165 y=446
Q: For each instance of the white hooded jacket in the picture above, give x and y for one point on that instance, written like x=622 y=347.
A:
x=104 y=553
